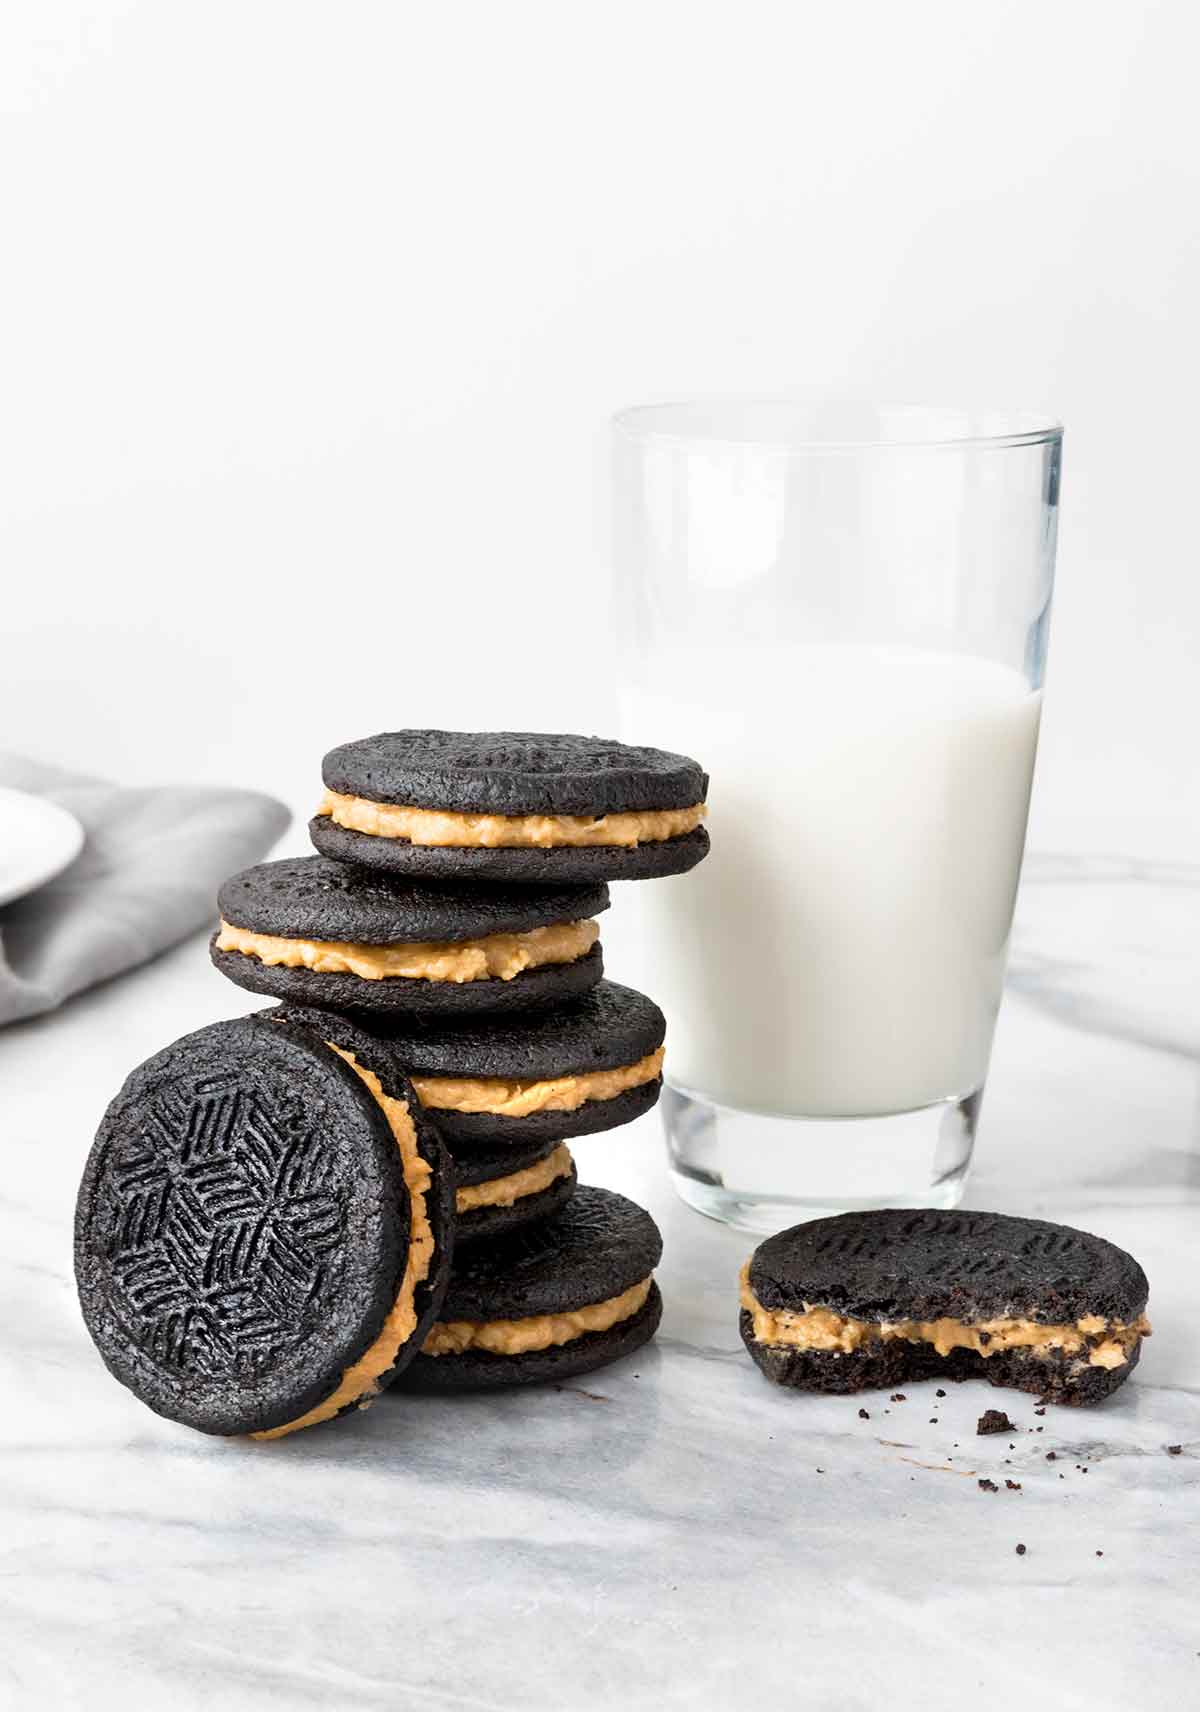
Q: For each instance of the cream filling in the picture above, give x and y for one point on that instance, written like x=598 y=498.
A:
x=530 y=1180
x=361 y=1380
x=820 y=1328
x=433 y=827
x=496 y=956
x=519 y=1099
x=539 y=1331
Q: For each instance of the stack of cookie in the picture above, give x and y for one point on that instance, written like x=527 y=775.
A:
x=439 y=961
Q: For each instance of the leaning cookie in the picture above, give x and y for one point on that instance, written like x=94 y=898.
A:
x=264 y=1227
x=319 y=933
x=511 y=1081
x=875 y=1299
x=521 y=806
x=552 y=1300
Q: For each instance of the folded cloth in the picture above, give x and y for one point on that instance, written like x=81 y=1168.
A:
x=147 y=876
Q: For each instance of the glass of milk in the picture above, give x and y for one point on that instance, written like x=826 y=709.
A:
x=842 y=612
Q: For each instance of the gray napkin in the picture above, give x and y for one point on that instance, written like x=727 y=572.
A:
x=146 y=877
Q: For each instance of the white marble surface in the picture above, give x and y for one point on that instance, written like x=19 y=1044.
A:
x=673 y=1532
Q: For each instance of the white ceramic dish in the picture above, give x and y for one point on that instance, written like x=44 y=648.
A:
x=38 y=839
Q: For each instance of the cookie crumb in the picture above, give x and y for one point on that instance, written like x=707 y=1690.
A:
x=863 y=1415
x=988 y=1486
x=1020 y=1551
x=1039 y=1411
x=1099 y=1554
x=939 y=1393
x=1051 y=1456
x=1013 y=1485
x=993 y=1421
x=1174 y=1450
x=897 y=1397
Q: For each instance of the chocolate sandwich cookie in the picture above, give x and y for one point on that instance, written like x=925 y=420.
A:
x=523 y=806
x=548 y=1301
x=876 y=1299
x=588 y=1066
x=320 y=933
x=503 y=1185
x=499 y=1185
x=263 y=1230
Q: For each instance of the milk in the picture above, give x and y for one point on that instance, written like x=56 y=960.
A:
x=840 y=952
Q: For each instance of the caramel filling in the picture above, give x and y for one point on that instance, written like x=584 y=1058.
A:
x=503 y=1191
x=520 y=1099
x=540 y=1331
x=1105 y=1343
x=430 y=826
x=497 y=956
x=361 y=1381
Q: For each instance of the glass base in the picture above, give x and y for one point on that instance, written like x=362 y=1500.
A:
x=761 y=1172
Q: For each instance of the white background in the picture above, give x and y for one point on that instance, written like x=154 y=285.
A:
x=312 y=317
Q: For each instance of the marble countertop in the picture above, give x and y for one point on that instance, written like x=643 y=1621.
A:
x=674 y=1532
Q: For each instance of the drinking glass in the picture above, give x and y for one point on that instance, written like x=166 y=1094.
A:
x=842 y=611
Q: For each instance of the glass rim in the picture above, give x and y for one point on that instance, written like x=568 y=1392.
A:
x=668 y=421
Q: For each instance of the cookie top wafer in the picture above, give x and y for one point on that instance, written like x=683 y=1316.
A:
x=598 y=1246
x=513 y=772
x=929 y=1265
x=607 y=1027
x=309 y=897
